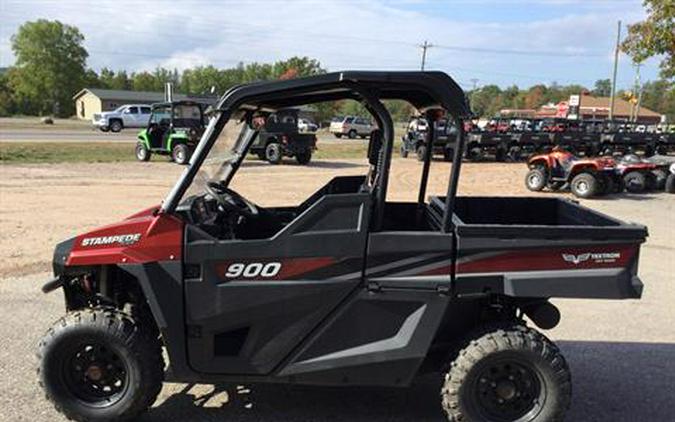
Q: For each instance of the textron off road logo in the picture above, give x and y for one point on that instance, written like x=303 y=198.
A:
x=598 y=258
x=121 y=239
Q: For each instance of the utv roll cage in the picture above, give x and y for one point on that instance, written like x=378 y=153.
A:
x=426 y=91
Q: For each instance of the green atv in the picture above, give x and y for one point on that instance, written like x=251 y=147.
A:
x=174 y=129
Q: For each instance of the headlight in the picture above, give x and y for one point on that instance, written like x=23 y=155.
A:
x=672 y=168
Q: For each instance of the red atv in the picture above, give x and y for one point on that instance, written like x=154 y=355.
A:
x=586 y=177
x=640 y=175
x=589 y=177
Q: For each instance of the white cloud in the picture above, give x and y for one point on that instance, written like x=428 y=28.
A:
x=341 y=34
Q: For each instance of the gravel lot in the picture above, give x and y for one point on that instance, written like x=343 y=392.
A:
x=622 y=354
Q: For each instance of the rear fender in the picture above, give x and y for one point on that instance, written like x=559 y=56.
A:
x=175 y=139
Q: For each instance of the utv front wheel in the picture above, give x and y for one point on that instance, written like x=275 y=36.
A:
x=273 y=153
x=180 y=154
x=509 y=373
x=100 y=364
x=421 y=152
x=142 y=153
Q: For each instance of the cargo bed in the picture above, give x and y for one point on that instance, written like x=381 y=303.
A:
x=541 y=247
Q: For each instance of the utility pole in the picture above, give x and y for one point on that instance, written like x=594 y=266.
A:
x=616 y=64
x=638 y=90
x=474 y=81
x=424 y=47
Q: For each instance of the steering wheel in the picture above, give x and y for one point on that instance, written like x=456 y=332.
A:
x=231 y=200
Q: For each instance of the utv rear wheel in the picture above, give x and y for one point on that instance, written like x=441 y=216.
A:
x=273 y=153
x=509 y=373
x=635 y=181
x=536 y=179
x=100 y=364
x=115 y=126
x=584 y=185
x=180 y=154
x=303 y=157
x=142 y=153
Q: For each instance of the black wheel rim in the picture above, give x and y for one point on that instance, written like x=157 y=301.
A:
x=95 y=374
x=508 y=389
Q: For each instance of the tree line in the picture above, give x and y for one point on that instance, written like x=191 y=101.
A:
x=51 y=66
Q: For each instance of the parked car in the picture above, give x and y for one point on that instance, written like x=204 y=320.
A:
x=128 y=115
x=351 y=126
x=305 y=125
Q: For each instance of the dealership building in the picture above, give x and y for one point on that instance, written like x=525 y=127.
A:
x=94 y=100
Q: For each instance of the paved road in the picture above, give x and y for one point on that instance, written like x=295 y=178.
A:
x=88 y=136
x=62 y=135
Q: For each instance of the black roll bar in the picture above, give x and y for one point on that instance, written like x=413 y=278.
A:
x=454 y=177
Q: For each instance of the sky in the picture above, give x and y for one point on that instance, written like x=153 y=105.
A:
x=479 y=42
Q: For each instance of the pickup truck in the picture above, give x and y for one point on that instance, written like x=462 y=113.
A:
x=126 y=116
x=346 y=288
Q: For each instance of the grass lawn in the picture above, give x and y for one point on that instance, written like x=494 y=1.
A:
x=64 y=152
x=68 y=152
x=33 y=123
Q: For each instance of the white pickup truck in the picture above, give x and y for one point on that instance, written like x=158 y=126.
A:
x=128 y=115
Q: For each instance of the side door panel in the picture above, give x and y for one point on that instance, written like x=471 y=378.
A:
x=252 y=302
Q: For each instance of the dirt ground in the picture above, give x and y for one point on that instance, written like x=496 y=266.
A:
x=620 y=352
x=44 y=204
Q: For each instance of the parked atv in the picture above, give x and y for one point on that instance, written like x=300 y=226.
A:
x=586 y=177
x=174 y=129
x=280 y=137
x=638 y=175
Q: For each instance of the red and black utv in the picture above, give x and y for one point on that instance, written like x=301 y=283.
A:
x=347 y=288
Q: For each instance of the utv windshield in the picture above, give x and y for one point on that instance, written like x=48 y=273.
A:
x=228 y=148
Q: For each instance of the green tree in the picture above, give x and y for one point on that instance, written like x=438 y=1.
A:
x=602 y=88
x=7 y=105
x=50 y=65
x=654 y=36
x=660 y=97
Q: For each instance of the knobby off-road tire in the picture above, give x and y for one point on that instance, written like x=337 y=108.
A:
x=536 y=179
x=303 y=157
x=584 y=185
x=659 y=178
x=180 y=154
x=421 y=152
x=670 y=183
x=273 y=153
x=404 y=152
x=507 y=373
x=100 y=364
x=635 y=181
x=142 y=153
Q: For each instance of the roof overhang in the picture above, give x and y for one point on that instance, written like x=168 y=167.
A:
x=424 y=90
